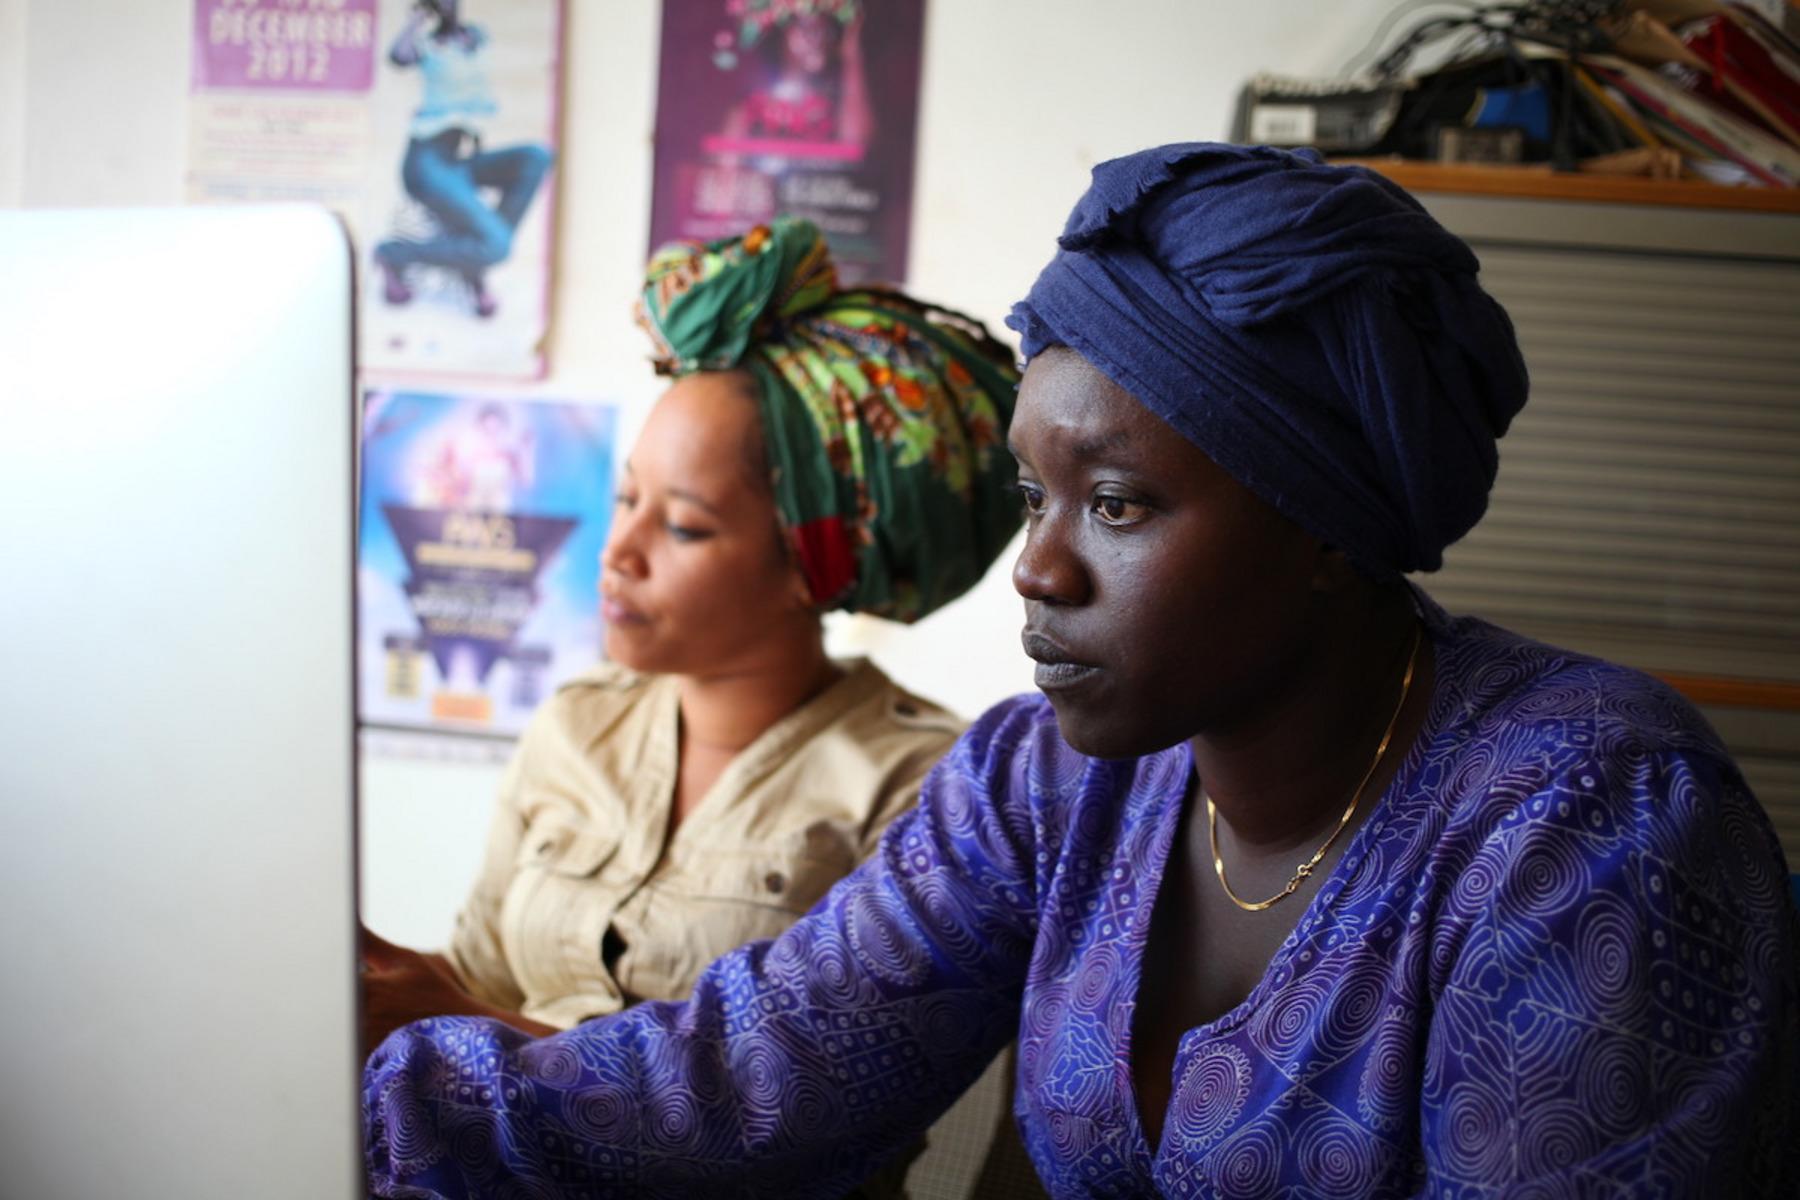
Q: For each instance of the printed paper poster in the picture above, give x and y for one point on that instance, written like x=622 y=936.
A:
x=808 y=107
x=430 y=127
x=479 y=534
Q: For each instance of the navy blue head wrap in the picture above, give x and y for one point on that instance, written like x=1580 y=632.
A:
x=1311 y=328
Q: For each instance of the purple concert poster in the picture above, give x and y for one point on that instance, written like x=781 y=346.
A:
x=801 y=107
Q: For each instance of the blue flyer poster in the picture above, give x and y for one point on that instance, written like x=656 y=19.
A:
x=480 y=524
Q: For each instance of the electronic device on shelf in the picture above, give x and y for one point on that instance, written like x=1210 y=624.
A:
x=1334 y=116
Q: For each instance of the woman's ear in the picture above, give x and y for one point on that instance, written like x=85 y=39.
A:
x=799 y=591
x=802 y=591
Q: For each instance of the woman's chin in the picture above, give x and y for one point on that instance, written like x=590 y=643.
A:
x=619 y=648
x=1101 y=733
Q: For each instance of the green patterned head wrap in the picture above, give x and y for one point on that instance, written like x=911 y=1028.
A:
x=885 y=418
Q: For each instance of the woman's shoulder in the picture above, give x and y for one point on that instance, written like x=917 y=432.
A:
x=870 y=718
x=1527 y=738
x=1492 y=680
x=598 y=697
x=868 y=687
x=606 y=679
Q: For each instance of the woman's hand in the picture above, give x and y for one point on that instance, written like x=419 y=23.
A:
x=400 y=986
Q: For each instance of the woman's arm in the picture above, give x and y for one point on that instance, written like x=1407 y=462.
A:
x=1618 y=1011
x=404 y=50
x=796 y=1066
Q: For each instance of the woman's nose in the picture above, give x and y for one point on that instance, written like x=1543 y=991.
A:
x=621 y=552
x=1048 y=569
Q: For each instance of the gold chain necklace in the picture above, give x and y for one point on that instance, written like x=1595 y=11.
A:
x=1306 y=868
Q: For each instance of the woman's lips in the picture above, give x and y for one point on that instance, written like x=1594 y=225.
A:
x=1062 y=676
x=1057 y=669
x=616 y=612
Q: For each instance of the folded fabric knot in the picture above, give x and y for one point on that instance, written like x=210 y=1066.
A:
x=1310 y=327
x=885 y=418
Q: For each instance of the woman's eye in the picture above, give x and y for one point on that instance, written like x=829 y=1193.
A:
x=1031 y=497
x=621 y=500
x=687 y=533
x=1116 y=510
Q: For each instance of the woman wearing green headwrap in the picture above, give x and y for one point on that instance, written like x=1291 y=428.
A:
x=884 y=419
x=818 y=449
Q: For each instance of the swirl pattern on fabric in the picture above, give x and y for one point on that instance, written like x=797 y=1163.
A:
x=1559 y=958
x=884 y=417
x=1311 y=328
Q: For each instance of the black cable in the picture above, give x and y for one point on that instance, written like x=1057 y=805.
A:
x=1569 y=25
x=1379 y=37
x=1491 y=19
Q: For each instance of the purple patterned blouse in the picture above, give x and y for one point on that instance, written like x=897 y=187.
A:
x=1558 y=959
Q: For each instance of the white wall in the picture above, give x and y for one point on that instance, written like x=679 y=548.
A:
x=1020 y=99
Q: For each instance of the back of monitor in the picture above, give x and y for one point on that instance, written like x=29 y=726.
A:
x=177 y=763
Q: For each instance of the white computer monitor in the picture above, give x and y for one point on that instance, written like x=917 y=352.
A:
x=177 y=742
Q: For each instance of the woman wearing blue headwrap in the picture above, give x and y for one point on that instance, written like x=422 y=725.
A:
x=1290 y=883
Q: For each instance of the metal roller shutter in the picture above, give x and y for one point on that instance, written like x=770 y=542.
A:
x=1648 y=505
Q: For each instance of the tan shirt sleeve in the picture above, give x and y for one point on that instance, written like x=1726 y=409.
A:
x=475 y=951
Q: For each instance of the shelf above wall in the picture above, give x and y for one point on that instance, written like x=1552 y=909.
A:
x=1539 y=182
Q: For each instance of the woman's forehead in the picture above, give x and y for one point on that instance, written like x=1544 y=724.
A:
x=1065 y=397
x=699 y=430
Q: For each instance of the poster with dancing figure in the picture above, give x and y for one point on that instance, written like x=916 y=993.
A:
x=430 y=126
x=806 y=107
x=480 y=524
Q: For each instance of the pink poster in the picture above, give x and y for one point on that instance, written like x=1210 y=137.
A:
x=429 y=126
x=805 y=107
x=321 y=47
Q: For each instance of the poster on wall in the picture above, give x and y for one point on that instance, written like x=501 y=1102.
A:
x=480 y=524
x=808 y=107
x=429 y=127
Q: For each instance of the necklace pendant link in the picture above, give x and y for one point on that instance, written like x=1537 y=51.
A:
x=1306 y=868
